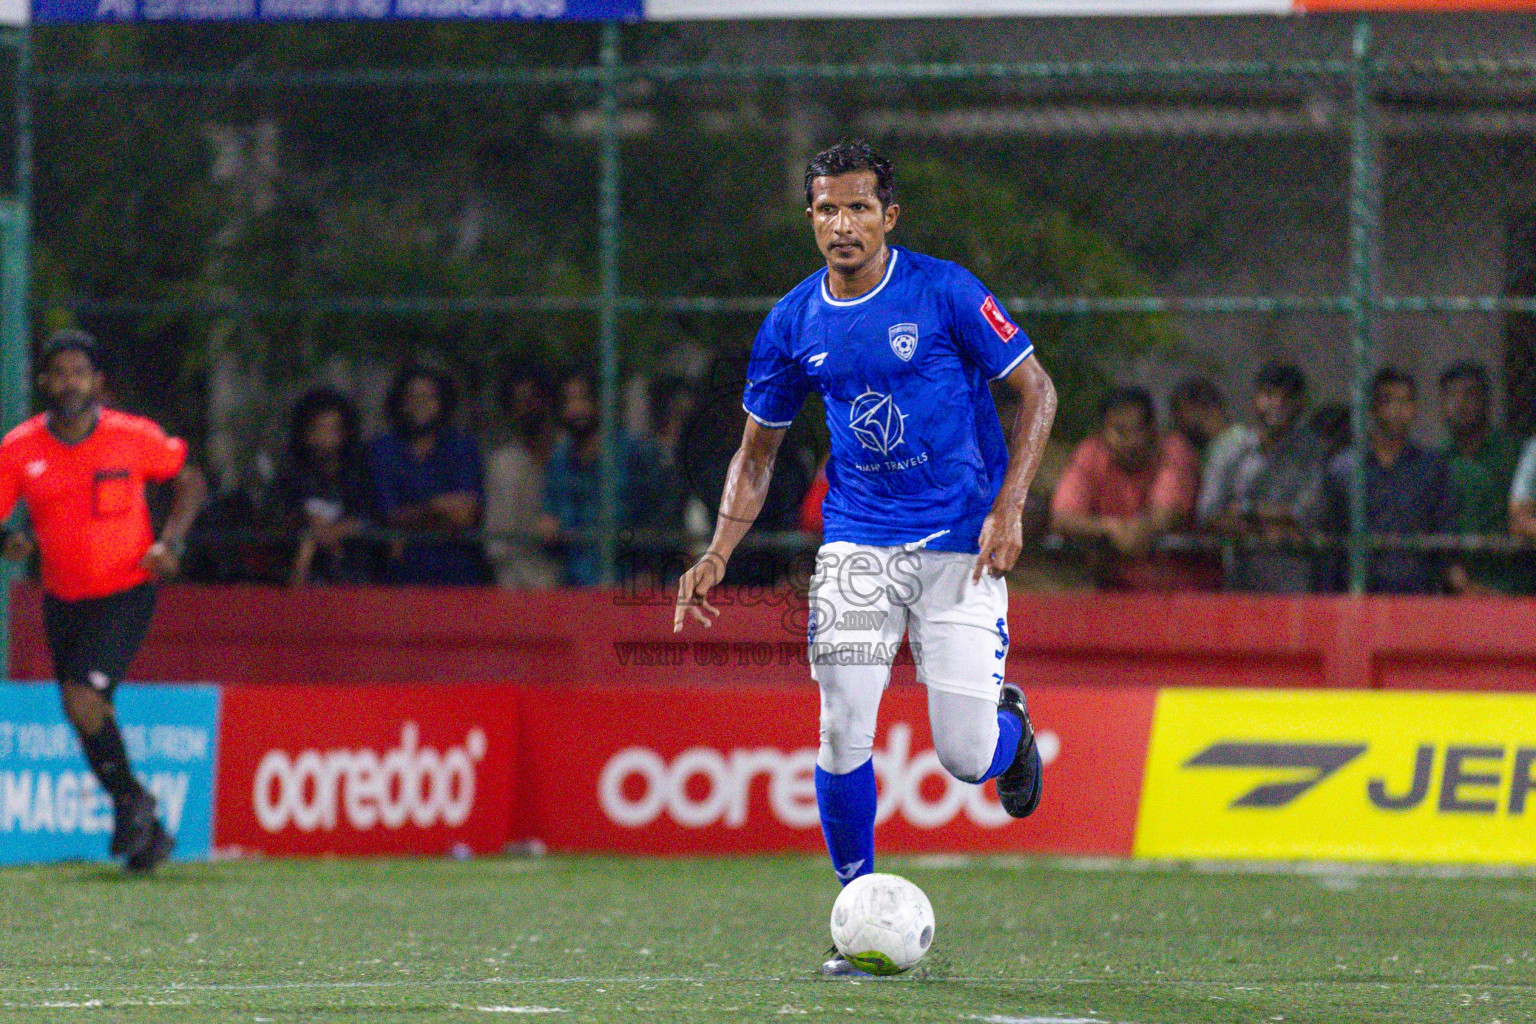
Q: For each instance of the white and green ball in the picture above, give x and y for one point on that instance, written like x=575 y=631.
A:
x=882 y=924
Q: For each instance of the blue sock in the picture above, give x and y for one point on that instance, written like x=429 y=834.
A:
x=1009 y=729
x=847 y=806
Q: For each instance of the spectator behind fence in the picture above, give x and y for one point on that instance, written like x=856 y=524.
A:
x=1128 y=487
x=1408 y=491
x=325 y=494
x=514 y=488
x=1522 y=494
x=673 y=404
x=1276 y=488
x=572 y=496
x=1199 y=412
x=1482 y=461
x=1331 y=424
x=428 y=477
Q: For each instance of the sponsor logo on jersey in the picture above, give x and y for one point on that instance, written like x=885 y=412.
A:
x=36 y=468
x=1380 y=776
x=877 y=422
x=1005 y=328
x=817 y=359
x=903 y=341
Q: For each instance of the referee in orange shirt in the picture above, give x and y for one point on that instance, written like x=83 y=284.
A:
x=81 y=469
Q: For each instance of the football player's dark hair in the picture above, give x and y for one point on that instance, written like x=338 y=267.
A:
x=70 y=339
x=447 y=395
x=847 y=157
x=1467 y=370
x=1284 y=377
x=1119 y=396
x=1389 y=375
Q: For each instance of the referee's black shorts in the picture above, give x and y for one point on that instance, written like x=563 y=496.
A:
x=94 y=639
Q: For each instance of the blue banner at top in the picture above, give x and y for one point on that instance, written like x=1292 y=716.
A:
x=77 y=11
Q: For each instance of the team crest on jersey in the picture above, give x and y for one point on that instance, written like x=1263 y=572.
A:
x=877 y=422
x=904 y=341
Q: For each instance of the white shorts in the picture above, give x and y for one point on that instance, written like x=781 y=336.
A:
x=863 y=598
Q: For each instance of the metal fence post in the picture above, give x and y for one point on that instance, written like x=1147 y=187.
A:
x=608 y=301
x=1364 y=284
x=15 y=288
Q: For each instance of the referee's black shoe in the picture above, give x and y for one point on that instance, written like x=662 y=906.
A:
x=1018 y=788
x=156 y=850
x=134 y=824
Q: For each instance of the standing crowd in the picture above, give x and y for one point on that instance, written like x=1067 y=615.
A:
x=1275 y=486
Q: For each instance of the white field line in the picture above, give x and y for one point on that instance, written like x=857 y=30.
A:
x=1162 y=983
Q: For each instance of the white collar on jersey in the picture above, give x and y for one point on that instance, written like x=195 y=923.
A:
x=890 y=268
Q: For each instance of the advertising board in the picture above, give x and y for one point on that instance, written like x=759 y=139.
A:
x=366 y=769
x=1414 y=777
x=51 y=806
x=729 y=769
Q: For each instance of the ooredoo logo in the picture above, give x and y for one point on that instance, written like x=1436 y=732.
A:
x=407 y=783
x=703 y=786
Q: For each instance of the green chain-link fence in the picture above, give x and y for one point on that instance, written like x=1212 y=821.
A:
x=242 y=208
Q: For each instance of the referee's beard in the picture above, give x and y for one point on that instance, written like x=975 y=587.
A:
x=70 y=405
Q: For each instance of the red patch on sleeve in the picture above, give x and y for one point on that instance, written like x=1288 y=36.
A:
x=1004 y=327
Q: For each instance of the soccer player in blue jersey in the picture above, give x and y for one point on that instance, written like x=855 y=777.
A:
x=923 y=511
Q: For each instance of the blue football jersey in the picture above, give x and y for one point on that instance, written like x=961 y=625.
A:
x=917 y=450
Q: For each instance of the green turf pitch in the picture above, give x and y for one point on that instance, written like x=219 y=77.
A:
x=601 y=939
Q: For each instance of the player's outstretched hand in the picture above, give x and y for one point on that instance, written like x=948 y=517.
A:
x=1002 y=538
x=693 y=591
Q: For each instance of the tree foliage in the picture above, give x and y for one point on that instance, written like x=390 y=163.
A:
x=287 y=195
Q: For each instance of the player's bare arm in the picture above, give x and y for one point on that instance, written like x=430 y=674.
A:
x=189 y=489
x=1002 y=532
x=746 y=486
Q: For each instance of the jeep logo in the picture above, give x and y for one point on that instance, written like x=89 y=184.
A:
x=1471 y=777
x=1319 y=759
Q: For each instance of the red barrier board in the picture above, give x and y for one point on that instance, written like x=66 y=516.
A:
x=370 y=635
x=729 y=769
x=365 y=769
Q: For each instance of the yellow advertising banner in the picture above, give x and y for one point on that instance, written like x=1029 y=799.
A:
x=1341 y=775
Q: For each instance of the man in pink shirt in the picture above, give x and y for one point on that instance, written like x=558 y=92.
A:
x=1127 y=486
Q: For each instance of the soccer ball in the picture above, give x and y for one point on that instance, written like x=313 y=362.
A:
x=883 y=924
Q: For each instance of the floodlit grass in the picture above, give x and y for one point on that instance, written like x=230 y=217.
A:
x=605 y=939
